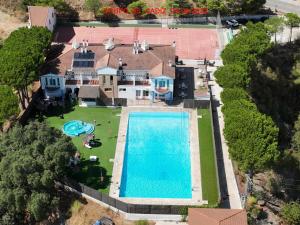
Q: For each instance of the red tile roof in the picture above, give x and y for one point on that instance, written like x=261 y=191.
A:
x=205 y=216
x=155 y=60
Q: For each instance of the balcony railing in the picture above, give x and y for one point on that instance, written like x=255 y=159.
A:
x=128 y=82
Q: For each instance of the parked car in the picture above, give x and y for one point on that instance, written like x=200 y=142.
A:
x=104 y=221
x=232 y=23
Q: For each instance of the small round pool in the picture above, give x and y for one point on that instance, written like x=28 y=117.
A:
x=77 y=127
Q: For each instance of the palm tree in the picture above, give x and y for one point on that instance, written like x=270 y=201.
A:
x=274 y=25
x=292 y=20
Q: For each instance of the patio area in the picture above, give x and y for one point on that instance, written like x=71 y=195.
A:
x=106 y=132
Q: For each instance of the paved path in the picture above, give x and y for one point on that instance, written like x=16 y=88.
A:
x=284 y=6
x=228 y=185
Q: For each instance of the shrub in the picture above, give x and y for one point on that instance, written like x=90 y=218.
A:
x=291 y=213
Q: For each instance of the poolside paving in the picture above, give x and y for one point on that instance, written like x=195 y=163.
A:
x=195 y=160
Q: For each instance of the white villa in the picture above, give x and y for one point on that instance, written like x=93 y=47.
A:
x=106 y=73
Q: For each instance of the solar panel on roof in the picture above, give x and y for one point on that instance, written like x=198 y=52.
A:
x=82 y=55
x=83 y=64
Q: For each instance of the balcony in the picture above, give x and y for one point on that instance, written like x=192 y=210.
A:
x=90 y=82
x=125 y=82
x=72 y=82
x=160 y=90
x=143 y=83
x=137 y=83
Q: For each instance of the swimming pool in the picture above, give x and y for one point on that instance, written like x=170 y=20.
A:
x=157 y=156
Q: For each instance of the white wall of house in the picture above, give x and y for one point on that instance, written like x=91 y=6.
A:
x=51 y=20
x=131 y=91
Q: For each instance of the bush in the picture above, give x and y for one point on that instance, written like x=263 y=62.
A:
x=137 y=8
x=233 y=76
x=232 y=94
x=141 y=222
x=290 y=213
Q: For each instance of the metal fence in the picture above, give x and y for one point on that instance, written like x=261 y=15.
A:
x=120 y=205
x=194 y=103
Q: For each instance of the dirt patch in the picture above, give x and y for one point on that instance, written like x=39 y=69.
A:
x=9 y=23
x=88 y=213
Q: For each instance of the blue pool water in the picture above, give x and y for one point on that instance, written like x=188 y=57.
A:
x=157 y=156
x=77 y=127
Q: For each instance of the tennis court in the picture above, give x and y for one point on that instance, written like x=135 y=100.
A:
x=191 y=43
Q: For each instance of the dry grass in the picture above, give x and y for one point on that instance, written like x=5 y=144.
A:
x=87 y=214
x=9 y=23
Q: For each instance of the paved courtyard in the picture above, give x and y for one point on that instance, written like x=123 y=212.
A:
x=191 y=43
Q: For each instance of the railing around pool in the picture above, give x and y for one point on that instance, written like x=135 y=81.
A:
x=86 y=191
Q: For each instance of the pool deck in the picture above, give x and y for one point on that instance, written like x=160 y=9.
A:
x=195 y=160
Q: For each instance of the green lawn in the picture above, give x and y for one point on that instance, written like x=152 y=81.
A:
x=106 y=131
x=207 y=158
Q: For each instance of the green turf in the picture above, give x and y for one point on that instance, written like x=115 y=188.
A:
x=207 y=158
x=106 y=131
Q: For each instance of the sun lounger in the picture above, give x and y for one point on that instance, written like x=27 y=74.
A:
x=93 y=158
x=87 y=146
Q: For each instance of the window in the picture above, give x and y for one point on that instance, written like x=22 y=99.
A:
x=145 y=93
x=58 y=82
x=122 y=89
x=107 y=89
x=168 y=83
x=111 y=79
x=46 y=80
x=162 y=83
x=138 y=93
x=50 y=22
x=52 y=81
x=103 y=79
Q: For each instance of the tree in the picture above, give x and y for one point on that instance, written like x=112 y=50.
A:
x=178 y=7
x=251 y=6
x=296 y=135
x=8 y=104
x=137 y=8
x=274 y=25
x=231 y=94
x=92 y=5
x=252 y=42
x=232 y=76
x=232 y=6
x=292 y=20
x=290 y=213
x=21 y=56
x=32 y=158
x=252 y=137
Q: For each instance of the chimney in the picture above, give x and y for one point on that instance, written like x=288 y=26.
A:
x=135 y=48
x=109 y=45
x=81 y=49
x=174 y=44
x=170 y=63
x=120 y=62
x=85 y=50
x=87 y=43
x=145 y=46
x=75 y=45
